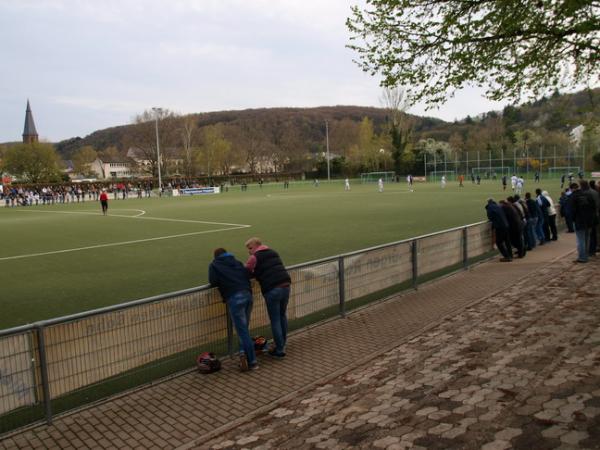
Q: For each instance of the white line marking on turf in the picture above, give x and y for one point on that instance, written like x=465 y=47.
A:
x=165 y=219
x=114 y=244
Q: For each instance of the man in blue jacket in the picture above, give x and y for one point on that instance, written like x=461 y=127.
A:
x=230 y=276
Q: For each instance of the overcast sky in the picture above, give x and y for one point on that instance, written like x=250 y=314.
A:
x=87 y=65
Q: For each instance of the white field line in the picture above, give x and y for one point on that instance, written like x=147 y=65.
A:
x=138 y=216
x=115 y=244
x=231 y=226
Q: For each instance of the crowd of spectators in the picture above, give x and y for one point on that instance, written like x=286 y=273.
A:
x=13 y=196
x=522 y=224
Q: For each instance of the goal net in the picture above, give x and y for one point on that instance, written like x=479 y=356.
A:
x=373 y=177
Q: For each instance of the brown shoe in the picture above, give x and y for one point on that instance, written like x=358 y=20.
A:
x=243 y=363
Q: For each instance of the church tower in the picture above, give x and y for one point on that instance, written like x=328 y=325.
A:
x=29 y=132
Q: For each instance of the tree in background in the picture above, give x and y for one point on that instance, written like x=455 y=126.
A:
x=189 y=130
x=526 y=146
x=83 y=158
x=35 y=162
x=590 y=143
x=400 y=126
x=513 y=48
x=215 y=151
x=364 y=155
x=142 y=136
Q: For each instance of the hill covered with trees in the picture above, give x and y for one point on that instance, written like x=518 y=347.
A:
x=294 y=140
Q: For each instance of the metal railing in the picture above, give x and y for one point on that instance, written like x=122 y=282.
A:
x=56 y=365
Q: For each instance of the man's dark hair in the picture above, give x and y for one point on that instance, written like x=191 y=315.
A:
x=219 y=251
x=538 y=191
x=517 y=197
x=528 y=195
x=584 y=185
x=574 y=186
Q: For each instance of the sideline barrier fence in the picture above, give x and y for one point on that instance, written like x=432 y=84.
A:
x=59 y=364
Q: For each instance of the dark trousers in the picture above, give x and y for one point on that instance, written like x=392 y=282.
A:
x=503 y=243
x=593 y=240
x=552 y=224
x=569 y=223
x=547 y=228
x=516 y=239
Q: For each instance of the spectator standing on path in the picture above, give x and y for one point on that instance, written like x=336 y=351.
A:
x=265 y=264
x=544 y=205
x=231 y=277
x=515 y=227
x=565 y=209
x=500 y=226
x=551 y=216
x=104 y=202
x=589 y=188
x=584 y=216
x=534 y=214
x=594 y=187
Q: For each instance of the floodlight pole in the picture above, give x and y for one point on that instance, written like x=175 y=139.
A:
x=327 y=141
x=157 y=111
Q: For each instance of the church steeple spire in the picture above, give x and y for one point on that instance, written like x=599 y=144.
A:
x=29 y=132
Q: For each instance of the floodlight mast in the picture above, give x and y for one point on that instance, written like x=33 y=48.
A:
x=158 y=111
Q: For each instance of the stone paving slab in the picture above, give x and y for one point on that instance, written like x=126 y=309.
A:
x=183 y=411
x=519 y=370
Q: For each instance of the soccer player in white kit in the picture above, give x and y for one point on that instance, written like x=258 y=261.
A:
x=443 y=181
x=513 y=182
x=346 y=184
x=380 y=185
x=519 y=185
x=409 y=180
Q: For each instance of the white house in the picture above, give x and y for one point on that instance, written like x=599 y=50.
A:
x=113 y=167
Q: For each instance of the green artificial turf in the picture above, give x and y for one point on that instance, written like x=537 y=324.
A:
x=40 y=278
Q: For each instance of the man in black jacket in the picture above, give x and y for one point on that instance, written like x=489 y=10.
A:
x=584 y=217
x=515 y=227
x=500 y=225
x=265 y=264
x=231 y=277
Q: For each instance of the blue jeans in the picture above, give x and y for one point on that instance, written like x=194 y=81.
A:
x=277 y=301
x=539 y=230
x=582 y=236
x=240 y=308
x=530 y=231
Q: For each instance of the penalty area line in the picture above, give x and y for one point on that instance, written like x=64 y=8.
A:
x=116 y=244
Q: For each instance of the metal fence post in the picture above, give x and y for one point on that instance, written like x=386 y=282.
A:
x=465 y=248
x=229 y=332
x=342 y=286
x=44 y=373
x=415 y=262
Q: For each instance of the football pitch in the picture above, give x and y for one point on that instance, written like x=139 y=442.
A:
x=62 y=259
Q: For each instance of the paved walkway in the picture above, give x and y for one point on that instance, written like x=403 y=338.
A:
x=503 y=355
